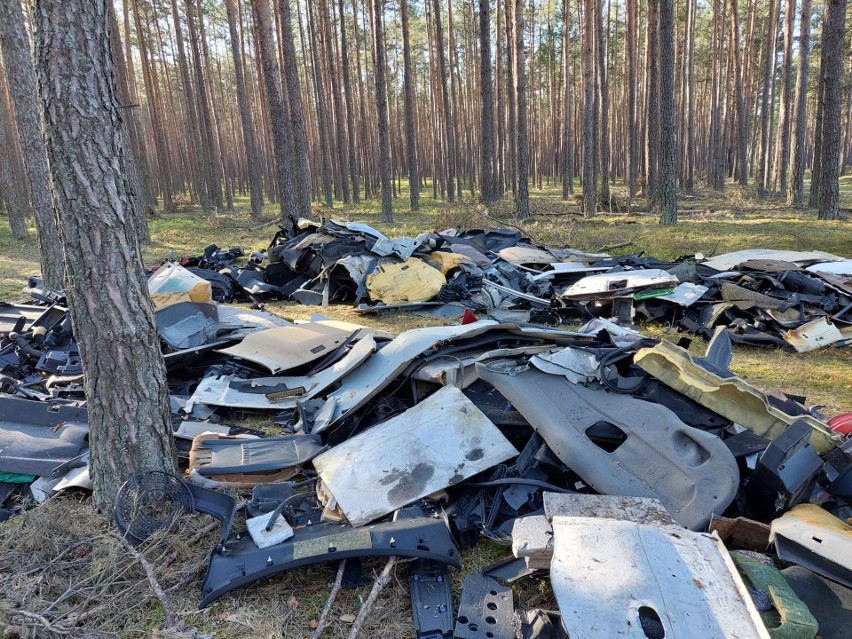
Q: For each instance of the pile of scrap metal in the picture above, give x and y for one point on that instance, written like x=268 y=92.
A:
x=602 y=456
x=764 y=297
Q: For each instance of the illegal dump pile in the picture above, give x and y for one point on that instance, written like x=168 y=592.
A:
x=576 y=448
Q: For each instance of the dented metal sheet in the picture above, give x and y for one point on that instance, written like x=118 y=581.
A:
x=731 y=397
x=813 y=335
x=438 y=443
x=625 y=579
x=222 y=390
x=621 y=445
x=280 y=349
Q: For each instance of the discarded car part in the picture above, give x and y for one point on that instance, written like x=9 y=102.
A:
x=509 y=569
x=616 y=578
x=412 y=533
x=841 y=486
x=244 y=461
x=685 y=294
x=811 y=537
x=449 y=370
x=431 y=599
x=728 y=261
x=730 y=397
x=691 y=472
x=172 y=283
x=525 y=254
x=532 y=541
x=284 y=348
x=605 y=284
x=229 y=391
x=785 y=475
x=841 y=423
x=148 y=502
x=642 y=510
x=438 y=443
x=486 y=609
x=189 y=324
x=817 y=333
x=829 y=602
x=577 y=365
x=410 y=281
x=376 y=373
x=796 y=621
x=35 y=438
x=540 y=624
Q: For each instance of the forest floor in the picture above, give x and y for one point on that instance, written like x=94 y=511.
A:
x=61 y=559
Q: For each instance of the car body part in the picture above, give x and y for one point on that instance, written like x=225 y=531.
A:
x=172 y=283
x=225 y=390
x=785 y=474
x=284 y=348
x=460 y=371
x=486 y=609
x=729 y=261
x=789 y=617
x=245 y=461
x=411 y=281
x=532 y=541
x=655 y=454
x=431 y=599
x=35 y=437
x=509 y=569
x=829 y=602
x=618 y=283
x=616 y=578
x=741 y=532
x=815 y=334
x=540 y=624
x=439 y=442
x=577 y=365
x=731 y=397
x=811 y=537
x=526 y=255
x=412 y=533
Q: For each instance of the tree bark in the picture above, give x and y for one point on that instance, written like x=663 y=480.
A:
x=668 y=141
x=486 y=152
x=382 y=109
x=339 y=126
x=785 y=117
x=833 y=55
x=9 y=187
x=742 y=115
x=630 y=57
x=567 y=154
x=125 y=377
x=249 y=140
x=768 y=72
x=449 y=139
x=795 y=190
x=302 y=176
x=410 y=125
x=816 y=165
x=17 y=58
x=652 y=150
x=603 y=101
x=522 y=200
x=350 y=113
x=282 y=147
x=589 y=202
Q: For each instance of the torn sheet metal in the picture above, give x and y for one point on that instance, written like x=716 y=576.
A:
x=375 y=374
x=280 y=349
x=438 y=443
x=729 y=261
x=410 y=281
x=817 y=333
x=617 y=578
x=639 y=449
x=811 y=537
x=228 y=390
x=605 y=284
x=731 y=397
x=619 y=335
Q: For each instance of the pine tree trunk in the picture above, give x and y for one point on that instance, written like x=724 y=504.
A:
x=630 y=56
x=768 y=73
x=589 y=202
x=278 y=119
x=125 y=377
x=486 y=158
x=785 y=118
x=567 y=154
x=249 y=140
x=652 y=149
x=511 y=116
x=603 y=101
x=816 y=166
x=449 y=141
x=302 y=176
x=410 y=125
x=17 y=58
x=522 y=201
x=339 y=121
x=382 y=109
x=834 y=50
x=689 y=169
x=350 y=113
x=742 y=115
x=668 y=138
x=796 y=188
x=9 y=187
